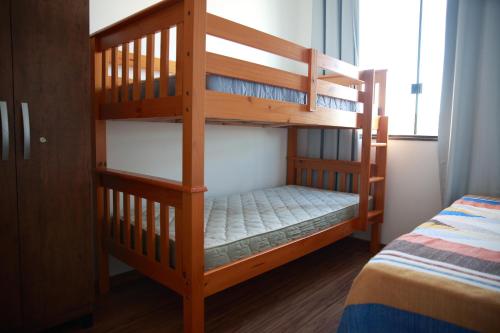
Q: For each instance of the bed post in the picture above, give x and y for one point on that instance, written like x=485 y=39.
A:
x=368 y=76
x=99 y=160
x=380 y=160
x=193 y=144
x=291 y=155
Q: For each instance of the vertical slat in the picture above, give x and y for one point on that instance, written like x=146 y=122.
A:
x=106 y=80
x=164 y=61
x=319 y=179
x=138 y=224
x=114 y=75
x=331 y=180
x=364 y=187
x=313 y=77
x=164 y=234
x=342 y=181
x=291 y=155
x=355 y=183
x=101 y=233
x=178 y=60
x=298 y=179
x=309 y=177
x=150 y=70
x=178 y=239
x=136 y=93
x=126 y=218
x=125 y=69
x=150 y=241
x=107 y=213
x=116 y=213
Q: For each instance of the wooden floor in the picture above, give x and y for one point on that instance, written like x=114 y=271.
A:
x=306 y=295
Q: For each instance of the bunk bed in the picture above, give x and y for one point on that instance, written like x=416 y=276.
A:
x=167 y=229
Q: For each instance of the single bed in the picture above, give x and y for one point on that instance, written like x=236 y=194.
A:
x=240 y=225
x=442 y=277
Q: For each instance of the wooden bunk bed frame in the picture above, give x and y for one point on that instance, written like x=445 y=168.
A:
x=194 y=105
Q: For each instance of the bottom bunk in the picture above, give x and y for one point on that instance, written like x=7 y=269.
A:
x=241 y=225
x=443 y=276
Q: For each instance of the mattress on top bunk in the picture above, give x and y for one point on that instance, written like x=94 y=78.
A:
x=240 y=225
x=248 y=88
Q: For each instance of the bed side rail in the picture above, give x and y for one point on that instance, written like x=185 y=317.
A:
x=135 y=83
x=127 y=200
x=334 y=175
x=342 y=80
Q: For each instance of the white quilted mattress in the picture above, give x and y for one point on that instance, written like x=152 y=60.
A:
x=239 y=225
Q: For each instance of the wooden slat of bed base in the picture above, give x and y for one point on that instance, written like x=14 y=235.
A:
x=236 y=107
x=222 y=28
x=231 y=274
x=169 y=106
x=155 y=18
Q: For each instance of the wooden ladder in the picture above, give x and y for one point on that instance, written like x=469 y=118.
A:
x=377 y=177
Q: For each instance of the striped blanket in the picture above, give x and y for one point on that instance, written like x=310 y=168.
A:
x=444 y=276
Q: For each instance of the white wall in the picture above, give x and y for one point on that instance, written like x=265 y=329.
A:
x=237 y=158
x=412 y=188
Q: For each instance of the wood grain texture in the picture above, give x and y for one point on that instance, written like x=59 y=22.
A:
x=306 y=295
x=54 y=184
x=10 y=307
x=193 y=59
x=226 y=29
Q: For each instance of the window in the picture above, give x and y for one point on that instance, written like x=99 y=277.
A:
x=407 y=38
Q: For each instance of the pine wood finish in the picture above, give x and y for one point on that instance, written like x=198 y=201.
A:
x=194 y=106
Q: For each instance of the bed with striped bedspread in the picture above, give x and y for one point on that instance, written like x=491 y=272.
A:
x=444 y=276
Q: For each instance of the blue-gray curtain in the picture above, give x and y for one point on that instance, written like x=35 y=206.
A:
x=469 y=123
x=335 y=33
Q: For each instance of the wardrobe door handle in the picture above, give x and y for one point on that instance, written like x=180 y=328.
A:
x=26 y=130
x=4 y=117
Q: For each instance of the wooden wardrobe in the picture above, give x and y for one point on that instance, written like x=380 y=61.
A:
x=46 y=263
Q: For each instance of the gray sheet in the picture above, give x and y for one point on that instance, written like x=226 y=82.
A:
x=248 y=88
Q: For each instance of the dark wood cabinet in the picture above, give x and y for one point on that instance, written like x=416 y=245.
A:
x=45 y=240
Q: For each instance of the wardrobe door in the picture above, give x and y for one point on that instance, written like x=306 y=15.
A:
x=10 y=309
x=51 y=87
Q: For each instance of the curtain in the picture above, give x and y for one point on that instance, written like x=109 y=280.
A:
x=469 y=124
x=335 y=33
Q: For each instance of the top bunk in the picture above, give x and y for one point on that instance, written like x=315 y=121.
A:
x=138 y=73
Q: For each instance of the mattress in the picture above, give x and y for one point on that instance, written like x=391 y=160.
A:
x=444 y=276
x=240 y=225
x=248 y=88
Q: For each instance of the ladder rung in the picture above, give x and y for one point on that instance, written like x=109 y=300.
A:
x=376 y=179
x=379 y=144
